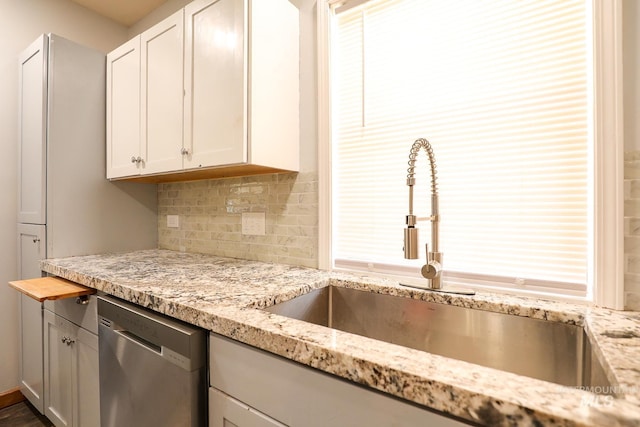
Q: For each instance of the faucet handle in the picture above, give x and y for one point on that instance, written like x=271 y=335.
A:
x=433 y=267
x=431 y=270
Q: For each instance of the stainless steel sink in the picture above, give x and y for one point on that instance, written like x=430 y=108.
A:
x=550 y=351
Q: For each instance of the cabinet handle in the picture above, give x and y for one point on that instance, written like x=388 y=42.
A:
x=82 y=300
x=133 y=159
x=185 y=151
x=67 y=340
x=36 y=240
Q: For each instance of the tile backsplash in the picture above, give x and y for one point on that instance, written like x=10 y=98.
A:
x=632 y=230
x=210 y=215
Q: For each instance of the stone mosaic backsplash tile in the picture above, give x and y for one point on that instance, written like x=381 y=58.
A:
x=632 y=230
x=210 y=217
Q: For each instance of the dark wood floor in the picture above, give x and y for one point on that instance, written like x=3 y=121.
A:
x=22 y=415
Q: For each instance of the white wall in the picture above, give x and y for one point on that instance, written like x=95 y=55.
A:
x=22 y=21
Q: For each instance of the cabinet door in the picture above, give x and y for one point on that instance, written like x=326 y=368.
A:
x=85 y=380
x=274 y=133
x=162 y=95
x=32 y=133
x=298 y=395
x=58 y=396
x=31 y=249
x=215 y=121
x=225 y=411
x=31 y=374
x=123 y=110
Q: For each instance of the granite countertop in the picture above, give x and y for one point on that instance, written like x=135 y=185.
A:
x=224 y=296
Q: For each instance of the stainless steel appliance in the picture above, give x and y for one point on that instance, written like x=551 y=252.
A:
x=550 y=351
x=152 y=368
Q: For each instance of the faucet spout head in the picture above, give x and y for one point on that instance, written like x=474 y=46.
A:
x=411 y=243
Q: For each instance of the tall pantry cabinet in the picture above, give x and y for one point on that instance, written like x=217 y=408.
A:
x=66 y=207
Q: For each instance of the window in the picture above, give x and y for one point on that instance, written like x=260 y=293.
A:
x=504 y=92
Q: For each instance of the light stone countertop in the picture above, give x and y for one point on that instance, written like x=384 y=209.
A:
x=224 y=296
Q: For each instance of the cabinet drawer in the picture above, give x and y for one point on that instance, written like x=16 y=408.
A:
x=225 y=411
x=297 y=395
x=83 y=315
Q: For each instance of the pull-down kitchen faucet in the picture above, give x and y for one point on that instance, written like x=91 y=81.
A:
x=432 y=270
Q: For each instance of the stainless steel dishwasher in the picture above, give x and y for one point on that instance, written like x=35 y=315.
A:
x=152 y=368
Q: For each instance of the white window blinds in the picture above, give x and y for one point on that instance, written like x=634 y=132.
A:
x=502 y=90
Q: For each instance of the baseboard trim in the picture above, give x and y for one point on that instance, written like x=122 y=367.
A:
x=10 y=397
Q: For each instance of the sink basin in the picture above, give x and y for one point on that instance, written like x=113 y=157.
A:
x=550 y=351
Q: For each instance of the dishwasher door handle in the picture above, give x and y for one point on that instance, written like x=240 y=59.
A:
x=130 y=336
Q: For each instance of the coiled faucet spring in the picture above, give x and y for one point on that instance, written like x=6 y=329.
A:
x=413 y=153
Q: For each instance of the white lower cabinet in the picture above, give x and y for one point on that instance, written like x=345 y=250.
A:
x=31 y=249
x=254 y=388
x=225 y=411
x=31 y=374
x=86 y=411
x=71 y=397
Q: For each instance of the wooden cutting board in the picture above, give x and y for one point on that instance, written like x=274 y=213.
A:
x=44 y=288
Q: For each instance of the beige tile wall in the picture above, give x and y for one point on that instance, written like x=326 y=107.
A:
x=210 y=217
x=632 y=230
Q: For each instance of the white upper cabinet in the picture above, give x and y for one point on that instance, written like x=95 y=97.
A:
x=273 y=93
x=123 y=110
x=162 y=95
x=219 y=92
x=144 y=102
x=215 y=96
x=33 y=143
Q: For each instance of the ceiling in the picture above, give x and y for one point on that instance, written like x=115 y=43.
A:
x=125 y=12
